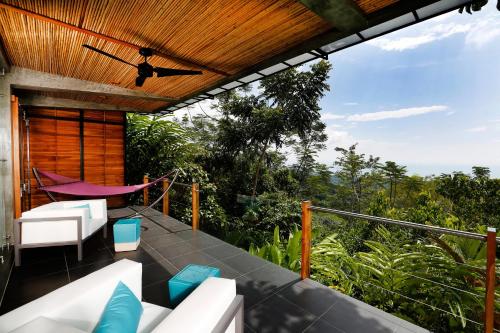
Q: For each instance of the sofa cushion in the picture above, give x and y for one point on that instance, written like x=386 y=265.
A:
x=122 y=313
x=85 y=206
x=46 y=325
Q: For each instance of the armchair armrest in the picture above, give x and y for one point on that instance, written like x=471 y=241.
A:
x=215 y=304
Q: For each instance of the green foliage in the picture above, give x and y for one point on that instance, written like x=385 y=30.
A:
x=286 y=253
x=409 y=282
x=251 y=198
x=474 y=199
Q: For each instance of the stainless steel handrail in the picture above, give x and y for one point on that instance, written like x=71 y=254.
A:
x=436 y=229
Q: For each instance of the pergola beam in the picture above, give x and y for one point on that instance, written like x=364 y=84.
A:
x=179 y=60
x=27 y=79
x=65 y=103
x=345 y=15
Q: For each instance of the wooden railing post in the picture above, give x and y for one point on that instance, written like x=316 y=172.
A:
x=195 y=195
x=166 y=207
x=305 y=269
x=489 y=303
x=146 y=191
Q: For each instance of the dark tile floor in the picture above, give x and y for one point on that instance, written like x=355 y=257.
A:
x=276 y=300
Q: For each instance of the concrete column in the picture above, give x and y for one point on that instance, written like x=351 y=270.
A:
x=6 y=196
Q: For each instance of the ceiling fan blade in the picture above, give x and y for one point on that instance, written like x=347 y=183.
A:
x=161 y=72
x=139 y=81
x=107 y=54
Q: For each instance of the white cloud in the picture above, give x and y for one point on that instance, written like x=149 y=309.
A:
x=351 y=103
x=483 y=32
x=331 y=116
x=449 y=113
x=426 y=36
x=476 y=129
x=397 y=114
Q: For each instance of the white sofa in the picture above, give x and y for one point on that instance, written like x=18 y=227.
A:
x=59 y=223
x=77 y=307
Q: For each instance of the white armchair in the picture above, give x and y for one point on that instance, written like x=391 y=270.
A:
x=59 y=223
x=77 y=307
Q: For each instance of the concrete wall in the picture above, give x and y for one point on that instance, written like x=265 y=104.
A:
x=6 y=197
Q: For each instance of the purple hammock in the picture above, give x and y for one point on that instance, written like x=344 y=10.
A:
x=71 y=186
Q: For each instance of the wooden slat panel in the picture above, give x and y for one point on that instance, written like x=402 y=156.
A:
x=55 y=146
x=94 y=153
x=370 y=6
x=229 y=35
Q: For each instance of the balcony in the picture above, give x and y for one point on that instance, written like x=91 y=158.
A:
x=276 y=299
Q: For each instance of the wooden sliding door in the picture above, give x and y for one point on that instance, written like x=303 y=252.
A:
x=81 y=144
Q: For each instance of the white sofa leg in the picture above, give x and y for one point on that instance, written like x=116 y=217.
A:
x=79 y=238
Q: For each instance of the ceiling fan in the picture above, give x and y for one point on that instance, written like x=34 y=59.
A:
x=144 y=69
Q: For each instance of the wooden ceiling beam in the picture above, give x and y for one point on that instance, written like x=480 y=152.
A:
x=345 y=15
x=179 y=60
x=66 y=103
x=27 y=79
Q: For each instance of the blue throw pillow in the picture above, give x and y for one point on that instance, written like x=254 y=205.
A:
x=85 y=206
x=122 y=313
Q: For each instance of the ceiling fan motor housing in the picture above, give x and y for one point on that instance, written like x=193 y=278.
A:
x=145 y=70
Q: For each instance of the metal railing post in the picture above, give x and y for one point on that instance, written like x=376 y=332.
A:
x=146 y=191
x=195 y=200
x=489 y=303
x=166 y=204
x=305 y=268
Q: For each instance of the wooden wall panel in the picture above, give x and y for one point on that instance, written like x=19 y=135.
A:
x=55 y=147
x=114 y=160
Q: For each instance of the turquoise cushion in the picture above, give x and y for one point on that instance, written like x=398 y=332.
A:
x=122 y=313
x=85 y=206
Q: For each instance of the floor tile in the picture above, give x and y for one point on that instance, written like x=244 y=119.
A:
x=175 y=250
x=245 y=262
x=20 y=292
x=252 y=291
x=156 y=272
x=39 y=268
x=272 y=277
x=78 y=272
x=321 y=326
x=316 y=300
x=226 y=271
x=278 y=315
x=41 y=254
x=202 y=243
x=119 y=212
x=163 y=240
x=90 y=255
x=141 y=254
x=157 y=294
x=198 y=258
x=190 y=234
x=223 y=251
x=349 y=317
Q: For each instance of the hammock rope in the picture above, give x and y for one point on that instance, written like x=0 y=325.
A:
x=71 y=186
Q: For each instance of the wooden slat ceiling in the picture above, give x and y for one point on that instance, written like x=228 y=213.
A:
x=370 y=6
x=229 y=35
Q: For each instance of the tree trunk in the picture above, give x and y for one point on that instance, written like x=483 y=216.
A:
x=257 y=169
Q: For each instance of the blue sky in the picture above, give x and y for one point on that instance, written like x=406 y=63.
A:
x=427 y=96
